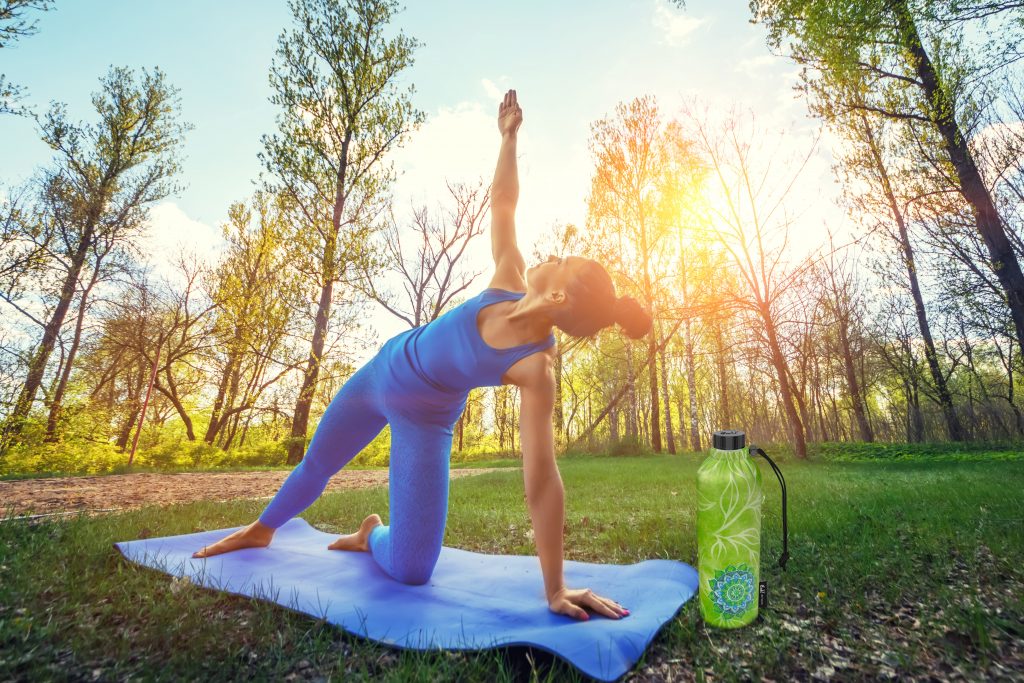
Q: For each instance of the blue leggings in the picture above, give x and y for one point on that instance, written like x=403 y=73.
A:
x=408 y=548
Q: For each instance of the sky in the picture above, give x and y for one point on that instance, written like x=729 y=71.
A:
x=570 y=63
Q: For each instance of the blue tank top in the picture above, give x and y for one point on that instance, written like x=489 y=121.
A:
x=438 y=363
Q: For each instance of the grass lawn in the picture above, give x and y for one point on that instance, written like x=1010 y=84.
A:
x=900 y=568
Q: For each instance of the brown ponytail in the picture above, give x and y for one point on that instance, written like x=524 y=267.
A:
x=631 y=317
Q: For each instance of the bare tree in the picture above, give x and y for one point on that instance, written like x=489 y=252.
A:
x=749 y=218
x=841 y=295
x=434 y=275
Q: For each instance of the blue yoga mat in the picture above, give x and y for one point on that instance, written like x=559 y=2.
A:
x=473 y=601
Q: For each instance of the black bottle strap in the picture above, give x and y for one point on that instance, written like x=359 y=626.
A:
x=756 y=450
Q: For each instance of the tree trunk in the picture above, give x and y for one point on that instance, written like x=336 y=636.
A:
x=134 y=390
x=1019 y=418
x=297 y=445
x=245 y=430
x=916 y=418
x=691 y=390
x=679 y=407
x=816 y=403
x=806 y=419
x=58 y=395
x=665 y=401
x=725 y=414
x=171 y=392
x=652 y=378
x=222 y=387
x=631 y=431
x=796 y=429
x=856 y=395
x=613 y=425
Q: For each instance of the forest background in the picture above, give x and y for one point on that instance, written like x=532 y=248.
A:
x=848 y=276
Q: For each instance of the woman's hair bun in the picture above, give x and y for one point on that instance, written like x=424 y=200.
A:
x=634 y=320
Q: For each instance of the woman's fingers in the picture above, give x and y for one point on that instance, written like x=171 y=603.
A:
x=604 y=606
x=579 y=612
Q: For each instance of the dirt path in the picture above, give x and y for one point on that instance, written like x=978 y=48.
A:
x=61 y=495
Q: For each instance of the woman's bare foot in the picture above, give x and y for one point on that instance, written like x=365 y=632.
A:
x=256 y=535
x=360 y=540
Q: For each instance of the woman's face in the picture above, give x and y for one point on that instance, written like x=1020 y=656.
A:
x=553 y=273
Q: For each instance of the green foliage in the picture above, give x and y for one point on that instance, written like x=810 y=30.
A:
x=15 y=22
x=333 y=77
x=627 y=445
x=55 y=458
x=932 y=452
x=103 y=458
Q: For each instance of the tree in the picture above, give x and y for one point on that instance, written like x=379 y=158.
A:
x=104 y=178
x=15 y=23
x=872 y=164
x=926 y=85
x=334 y=76
x=256 y=297
x=630 y=152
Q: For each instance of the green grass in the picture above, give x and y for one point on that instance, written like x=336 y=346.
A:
x=900 y=568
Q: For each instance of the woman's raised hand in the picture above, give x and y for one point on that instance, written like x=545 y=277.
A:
x=510 y=114
x=573 y=603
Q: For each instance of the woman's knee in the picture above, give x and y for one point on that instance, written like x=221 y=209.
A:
x=416 y=574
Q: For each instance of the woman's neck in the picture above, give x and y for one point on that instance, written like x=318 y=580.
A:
x=529 y=317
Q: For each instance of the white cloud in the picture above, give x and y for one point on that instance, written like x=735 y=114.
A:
x=461 y=144
x=493 y=91
x=676 y=27
x=756 y=63
x=170 y=231
x=457 y=143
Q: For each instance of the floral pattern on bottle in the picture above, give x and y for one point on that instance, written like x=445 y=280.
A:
x=732 y=590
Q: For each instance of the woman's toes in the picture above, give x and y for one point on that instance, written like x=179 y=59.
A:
x=360 y=540
x=346 y=542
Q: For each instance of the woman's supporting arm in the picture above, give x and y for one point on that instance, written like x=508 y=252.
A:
x=545 y=494
x=510 y=268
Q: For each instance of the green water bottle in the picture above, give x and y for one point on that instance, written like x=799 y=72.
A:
x=729 y=500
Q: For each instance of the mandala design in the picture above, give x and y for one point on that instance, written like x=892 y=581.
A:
x=732 y=590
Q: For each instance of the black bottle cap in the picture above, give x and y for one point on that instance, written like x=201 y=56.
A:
x=729 y=440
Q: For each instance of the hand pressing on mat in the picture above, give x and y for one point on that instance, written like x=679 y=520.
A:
x=255 y=535
x=572 y=602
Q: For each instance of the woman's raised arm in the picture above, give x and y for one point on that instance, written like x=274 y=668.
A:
x=510 y=268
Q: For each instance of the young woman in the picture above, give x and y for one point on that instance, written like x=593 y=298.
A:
x=418 y=383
